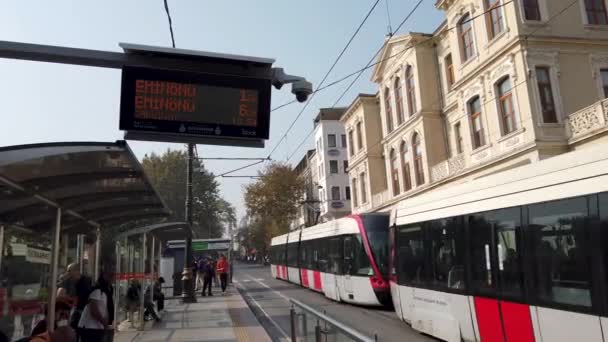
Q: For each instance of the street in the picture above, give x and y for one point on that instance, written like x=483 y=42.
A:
x=269 y=299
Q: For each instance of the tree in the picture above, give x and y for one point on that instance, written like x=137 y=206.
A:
x=272 y=204
x=210 y=213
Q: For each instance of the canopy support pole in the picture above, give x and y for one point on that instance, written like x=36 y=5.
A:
x=54 y=272
x=143 y=290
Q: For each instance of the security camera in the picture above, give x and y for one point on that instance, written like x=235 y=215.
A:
x=301 y=89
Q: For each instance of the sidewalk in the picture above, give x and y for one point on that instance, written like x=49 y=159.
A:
x=218 y=318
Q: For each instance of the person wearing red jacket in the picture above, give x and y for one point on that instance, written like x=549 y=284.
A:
x=222 y=270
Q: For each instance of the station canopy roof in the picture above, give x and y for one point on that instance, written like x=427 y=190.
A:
x=95 y=184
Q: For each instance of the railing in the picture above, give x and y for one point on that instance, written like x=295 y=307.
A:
x=588 y=119
x=308 y=324
x=448 y=168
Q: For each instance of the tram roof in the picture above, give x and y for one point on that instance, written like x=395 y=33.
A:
x=94 y=183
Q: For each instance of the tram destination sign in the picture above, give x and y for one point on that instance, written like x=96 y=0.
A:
x=180 y=106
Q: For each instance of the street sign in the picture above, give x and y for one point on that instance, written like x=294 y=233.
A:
x=175 y=106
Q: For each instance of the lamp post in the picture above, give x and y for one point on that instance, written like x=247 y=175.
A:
x=188 y=295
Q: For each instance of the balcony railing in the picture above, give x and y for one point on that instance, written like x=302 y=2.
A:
x=448 y=168
x=588 y=120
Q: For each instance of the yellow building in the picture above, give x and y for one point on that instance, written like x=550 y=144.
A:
x=498 y=85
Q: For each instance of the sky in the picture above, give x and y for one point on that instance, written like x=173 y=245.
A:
x=42 y=102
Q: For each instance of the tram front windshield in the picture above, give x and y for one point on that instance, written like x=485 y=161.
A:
x=376 y=227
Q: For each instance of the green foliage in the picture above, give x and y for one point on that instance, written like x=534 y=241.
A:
x=210 y=212
x=272 y=204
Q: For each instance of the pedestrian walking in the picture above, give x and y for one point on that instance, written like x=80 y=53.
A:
x=222 y=270
x=98 y=314
x=208 y=274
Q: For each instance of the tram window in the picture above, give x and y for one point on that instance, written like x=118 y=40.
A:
x=495 y=251
x=335 y=255
x=562 y=253
x=411 y=256
x=447 y=252
x=323 y=255
x=603 y=202
x=362 y=264
x=303 y=253
x=315 y=254
x=292 y=254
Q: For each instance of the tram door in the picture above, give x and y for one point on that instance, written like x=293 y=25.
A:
x=349 y=259
x=497 y=276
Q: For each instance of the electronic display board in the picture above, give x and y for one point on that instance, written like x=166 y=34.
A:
x=194 y=104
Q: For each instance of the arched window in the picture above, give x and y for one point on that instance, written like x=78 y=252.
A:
x=395 y=172
x=465 y=30
x=507 y=112
x=417 y=150
x=478 y=136
x=410 y=88
x=399 y=101
x=405 y=167
x=388 y=109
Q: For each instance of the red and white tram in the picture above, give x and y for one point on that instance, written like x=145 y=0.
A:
x=517 y=256
x=345 y=259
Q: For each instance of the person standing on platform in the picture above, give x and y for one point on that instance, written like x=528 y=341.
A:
x=208 y=274
x=199 y=273
x=98 y=314
x=222 y=270
x=75 y=288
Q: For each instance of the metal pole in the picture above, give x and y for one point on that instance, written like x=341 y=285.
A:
x=1 y=249
x=117 y=284
x=79 y=256
x=54 y=271
x=97 y=251
x=188 y=284
x=292 y=319
x=152 y=259
x=143 y=290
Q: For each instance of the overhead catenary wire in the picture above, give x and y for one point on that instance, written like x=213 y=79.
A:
x=170 y=24
x=325 y=77
x=432 y=38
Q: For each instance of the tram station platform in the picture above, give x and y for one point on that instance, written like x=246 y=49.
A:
x=217 y=318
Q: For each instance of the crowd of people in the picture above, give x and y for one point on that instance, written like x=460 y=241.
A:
x=84 y=311
x=209 y=272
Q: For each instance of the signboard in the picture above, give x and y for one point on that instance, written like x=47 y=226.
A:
x=210 y=246
x=333 y=152
x=337 y=205
x=176 y=104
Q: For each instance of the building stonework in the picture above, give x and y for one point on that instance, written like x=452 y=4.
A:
x=489 y=90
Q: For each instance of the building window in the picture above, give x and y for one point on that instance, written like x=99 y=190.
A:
x=347 y=193
x=410 y=88
x=494 y=17
x=355 y=202
x=532 y=10
x=394 y=172
x=417 y=149
x=331 y=140
x=604 y=76
x=319 y=147
x=476 y=124
x=345 y=166
x=458 y=137
x=335 y=193
x=321 y=175
x=405 y=167
x=596 y=12
x=388 y=110
x=545 y=92
x=465 y=30
x=343 y=136
x=359 y=136
x=333 y=166
x=363 y=188
x=507 y=112
x=322 y=195
x=449 y=70
x=351 y=147
x=399 y=101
